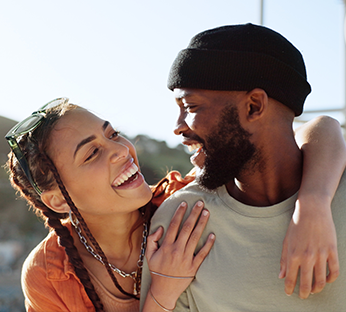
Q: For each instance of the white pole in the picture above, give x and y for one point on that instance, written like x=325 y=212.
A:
x=261 y=12
x=345 y=63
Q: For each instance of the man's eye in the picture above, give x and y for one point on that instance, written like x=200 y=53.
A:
x=114 y=135
x=94 y=152
x=189 y=108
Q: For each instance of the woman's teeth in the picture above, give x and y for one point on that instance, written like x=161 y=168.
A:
x=126 y=175
x=194 y=147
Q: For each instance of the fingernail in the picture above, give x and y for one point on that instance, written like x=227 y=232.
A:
x=199 y=203
x=205 y=212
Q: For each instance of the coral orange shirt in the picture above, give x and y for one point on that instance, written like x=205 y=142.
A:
x=50 y=284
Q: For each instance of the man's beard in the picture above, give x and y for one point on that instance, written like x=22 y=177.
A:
x=228 y=149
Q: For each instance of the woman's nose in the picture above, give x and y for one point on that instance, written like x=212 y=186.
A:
x=119 y=152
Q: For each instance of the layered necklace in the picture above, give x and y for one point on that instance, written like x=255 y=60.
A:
x=135 y=275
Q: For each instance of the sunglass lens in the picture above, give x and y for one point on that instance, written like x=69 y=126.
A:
x=28 y=123
x=54 y=103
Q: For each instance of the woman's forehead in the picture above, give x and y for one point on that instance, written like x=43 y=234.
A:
x=73 y=127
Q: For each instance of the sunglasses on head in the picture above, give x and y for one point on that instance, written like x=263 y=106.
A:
x=28 y=125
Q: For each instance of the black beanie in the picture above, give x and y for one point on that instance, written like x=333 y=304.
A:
x=241 y=58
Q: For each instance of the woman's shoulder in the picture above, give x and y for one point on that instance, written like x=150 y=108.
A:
x=34 y=269
x=48 y=260
x=36 y=257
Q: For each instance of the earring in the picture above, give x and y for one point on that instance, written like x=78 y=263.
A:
x=74 y=223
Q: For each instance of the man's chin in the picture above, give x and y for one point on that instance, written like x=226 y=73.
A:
x=205 y=181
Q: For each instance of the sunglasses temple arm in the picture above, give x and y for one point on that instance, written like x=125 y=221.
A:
x=24 y=164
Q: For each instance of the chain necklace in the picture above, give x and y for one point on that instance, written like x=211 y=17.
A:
x=135 y=275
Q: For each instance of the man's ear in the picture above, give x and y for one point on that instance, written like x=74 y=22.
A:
x=257 y=104
x=55 y=201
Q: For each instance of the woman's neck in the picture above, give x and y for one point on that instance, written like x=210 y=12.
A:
x=116 y=235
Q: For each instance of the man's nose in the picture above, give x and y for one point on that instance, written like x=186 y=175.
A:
x=181 y=125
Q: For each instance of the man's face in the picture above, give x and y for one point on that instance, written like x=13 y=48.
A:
x=209 y=121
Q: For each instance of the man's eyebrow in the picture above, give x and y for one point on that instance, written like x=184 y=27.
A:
x=89 y=139
x=186 y=94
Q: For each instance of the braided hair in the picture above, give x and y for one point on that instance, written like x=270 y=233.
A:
x=46 y=176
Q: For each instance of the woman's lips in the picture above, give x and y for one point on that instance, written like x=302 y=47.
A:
x=126 y=175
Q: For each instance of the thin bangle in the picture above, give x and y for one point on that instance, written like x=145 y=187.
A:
x=160 y=305
x=170 y=276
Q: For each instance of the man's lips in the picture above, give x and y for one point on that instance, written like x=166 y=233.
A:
x=195 y=146
x=198 y=158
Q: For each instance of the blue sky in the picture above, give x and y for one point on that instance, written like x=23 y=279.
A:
x=113 y=57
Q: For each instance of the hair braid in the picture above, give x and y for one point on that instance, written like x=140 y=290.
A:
x=80 y=218
x=52 y=219
x=66 y=240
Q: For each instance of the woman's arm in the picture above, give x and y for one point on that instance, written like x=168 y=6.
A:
x=310 y=241
x=174 y=265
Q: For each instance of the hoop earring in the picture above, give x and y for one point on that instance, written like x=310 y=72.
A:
x=74 y=223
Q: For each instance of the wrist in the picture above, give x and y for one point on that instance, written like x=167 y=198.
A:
x=161 y=301
x=313 y=202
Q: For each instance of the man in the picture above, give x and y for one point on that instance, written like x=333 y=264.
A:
x=239 y=89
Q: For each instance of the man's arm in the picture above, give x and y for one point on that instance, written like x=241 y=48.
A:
x=310 y=242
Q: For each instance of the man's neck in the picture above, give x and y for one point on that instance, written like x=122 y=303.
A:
x=272 y=179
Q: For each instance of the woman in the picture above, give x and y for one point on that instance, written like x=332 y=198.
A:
x=64 y=157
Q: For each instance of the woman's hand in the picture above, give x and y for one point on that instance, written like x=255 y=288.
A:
x=310 y=244
x=174 y=265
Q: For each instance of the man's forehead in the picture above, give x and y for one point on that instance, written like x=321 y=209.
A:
x=180 y=93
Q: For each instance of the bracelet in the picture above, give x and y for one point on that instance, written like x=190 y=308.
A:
x=170 y=276
x=160 y=305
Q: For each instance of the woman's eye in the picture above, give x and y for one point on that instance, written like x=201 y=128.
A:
x=114 y=135
x=95 y=151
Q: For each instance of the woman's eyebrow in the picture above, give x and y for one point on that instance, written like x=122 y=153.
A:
x=89 y=139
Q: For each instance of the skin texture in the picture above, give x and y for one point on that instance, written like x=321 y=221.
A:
x=271 y=176
x=104 y=157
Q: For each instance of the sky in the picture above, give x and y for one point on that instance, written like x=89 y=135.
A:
x=113 y=57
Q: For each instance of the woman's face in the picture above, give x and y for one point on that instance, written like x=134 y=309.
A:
x=98 y=167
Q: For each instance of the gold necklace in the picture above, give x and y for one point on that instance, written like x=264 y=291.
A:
x=135 y=275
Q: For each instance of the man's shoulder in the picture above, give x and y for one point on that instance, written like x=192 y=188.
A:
x=189 y=194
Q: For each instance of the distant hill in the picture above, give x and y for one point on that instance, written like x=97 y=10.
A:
x=5 y=125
